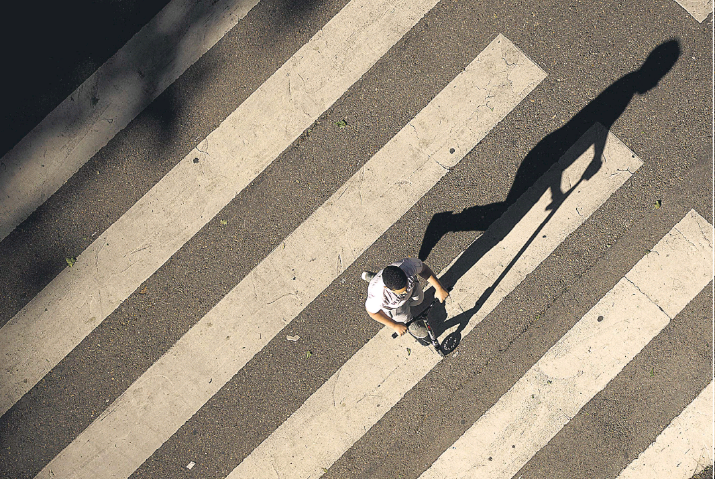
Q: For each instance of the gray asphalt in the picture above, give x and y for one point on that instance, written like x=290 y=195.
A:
x=584 y=46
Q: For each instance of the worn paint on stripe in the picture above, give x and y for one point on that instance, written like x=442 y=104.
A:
x=699 y=9
x=585 y=359
x=146 y=236
x=108 y=100
x=351 y=402
x=296 y=272
x=684 y=448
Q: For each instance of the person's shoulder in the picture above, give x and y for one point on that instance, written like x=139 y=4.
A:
x=375 y=295
x=376 y=286
x=408 y=262
x=415 y=263
x=410 y=266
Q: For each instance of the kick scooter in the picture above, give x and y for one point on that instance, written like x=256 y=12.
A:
x=421 y=319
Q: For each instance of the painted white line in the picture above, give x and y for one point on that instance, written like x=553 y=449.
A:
x=194 y=191
x=583 y=361
x=684 y=448
x=351 y=401
x=699 y=9
x=296 y=272
x=670 y=283
x=108 y=100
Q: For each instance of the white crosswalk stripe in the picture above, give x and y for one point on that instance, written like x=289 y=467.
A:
x=586 y=358
x=108 y=100
x=192 y=193
x=358 y=400
x=684 y=448
x=699 y=9
x=305 y=264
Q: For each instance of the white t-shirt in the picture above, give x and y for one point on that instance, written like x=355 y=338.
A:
x=381 y=297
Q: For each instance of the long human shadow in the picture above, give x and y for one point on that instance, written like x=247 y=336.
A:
x=605 y=109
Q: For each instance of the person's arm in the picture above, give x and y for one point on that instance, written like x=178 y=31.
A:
x=439 y=291
x=382 y=318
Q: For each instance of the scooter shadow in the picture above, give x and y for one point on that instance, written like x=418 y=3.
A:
x=439 y=323
x=437 y=318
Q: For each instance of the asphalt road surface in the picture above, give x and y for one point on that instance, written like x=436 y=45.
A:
x=189 y=192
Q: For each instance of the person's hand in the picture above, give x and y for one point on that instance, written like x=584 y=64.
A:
x=441 y=294
x=400 y=329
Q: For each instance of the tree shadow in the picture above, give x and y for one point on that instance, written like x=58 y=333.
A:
x=605 y=109
x=55 y=49
x=33 y=252
x=290 y=18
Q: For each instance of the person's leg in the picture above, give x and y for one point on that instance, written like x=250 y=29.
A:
x=403 y=314
x=418 y=295
x=418 y=329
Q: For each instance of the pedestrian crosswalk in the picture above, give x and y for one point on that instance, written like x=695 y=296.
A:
x=308 y=260
x=358 y=400
x=323 y=252
x=586 y=358
x=108 y=100
x=685 y=446
x=146 y=236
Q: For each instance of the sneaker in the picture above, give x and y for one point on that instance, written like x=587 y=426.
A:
x=418 y=330
x=368 y=275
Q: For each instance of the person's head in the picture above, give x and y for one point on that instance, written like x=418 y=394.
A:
x=395 y=279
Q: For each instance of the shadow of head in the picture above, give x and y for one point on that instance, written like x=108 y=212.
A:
x=657 y=65
x=296 y=7
x=293 y=12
